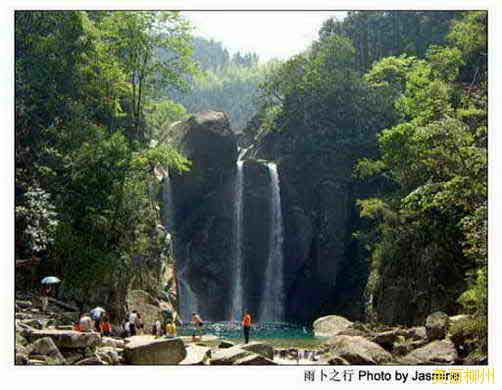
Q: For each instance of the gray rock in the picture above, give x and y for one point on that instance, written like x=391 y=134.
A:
x=111 y=342
x=225 y=344
x=66 y=338
x=386 y=339
x=258 y=348
x=330 y=326
x=46 y=347
x=108 y=355
x=196 y=355
x=437 y=352
x=21 y=359
x=254 y=360
x=436 y=326
x=147 y=350
x=337 y=361
x=358 y=350
x=458 y=319
x=228 y=356
x=72 y=356
x=24 y=304
x=416 y=333
x=91 y=361
x=403 y=348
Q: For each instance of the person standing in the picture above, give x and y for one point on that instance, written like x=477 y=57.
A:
x=85 y=323
x=197 y=323
x=105 y=326
x=44 y=296
x=133 y=319
x=246 y=326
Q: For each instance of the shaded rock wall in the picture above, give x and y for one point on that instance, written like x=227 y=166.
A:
x=318 y=206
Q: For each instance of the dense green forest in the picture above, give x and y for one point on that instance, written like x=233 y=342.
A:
x=85 y=198
x=401 y=95
x=226 y=82
x=404 y=95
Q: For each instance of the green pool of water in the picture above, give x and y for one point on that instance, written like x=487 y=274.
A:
x=277 y=334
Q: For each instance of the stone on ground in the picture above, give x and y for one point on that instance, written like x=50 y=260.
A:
x=66 y=338
x=330 y=326
x=436 y=326
x=436 y=352
x=225 y=344
x=358 y=350
x=148 y=350
x=46 y=347
x=254 y=360
x=108 y=354
x=91 y=361
x=258 y=348
x=196 y=355
x=228 y=356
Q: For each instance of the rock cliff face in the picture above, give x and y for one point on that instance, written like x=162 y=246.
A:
x=323 y=272
x=203 y=201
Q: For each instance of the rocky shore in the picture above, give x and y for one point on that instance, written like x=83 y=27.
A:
x=47 y=338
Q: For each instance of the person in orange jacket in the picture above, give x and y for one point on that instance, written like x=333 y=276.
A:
x=246 y=325
x=105 y=326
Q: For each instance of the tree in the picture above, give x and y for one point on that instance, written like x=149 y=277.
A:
x=136 y=38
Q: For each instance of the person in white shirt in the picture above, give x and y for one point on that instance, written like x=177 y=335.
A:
x=85 y=323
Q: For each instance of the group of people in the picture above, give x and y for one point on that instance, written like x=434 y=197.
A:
x=89 y=322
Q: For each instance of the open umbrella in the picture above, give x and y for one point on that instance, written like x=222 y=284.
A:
x=50 y=280
x=97 y=311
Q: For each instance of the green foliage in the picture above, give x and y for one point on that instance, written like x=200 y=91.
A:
x=228 y=84
x=318 y=99
x=380 y=34
x=160 y=115
x=83 y=81
x=37 y=220
x=469 y=335
x=437 y=157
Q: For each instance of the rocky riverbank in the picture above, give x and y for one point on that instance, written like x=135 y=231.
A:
x=47 y=338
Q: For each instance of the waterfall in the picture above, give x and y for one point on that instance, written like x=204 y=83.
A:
x=272 y=303
x=167 y=213
x=237 y=293
x=187 y=301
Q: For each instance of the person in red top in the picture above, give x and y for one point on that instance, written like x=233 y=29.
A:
x=105 y=326
x=246 y=325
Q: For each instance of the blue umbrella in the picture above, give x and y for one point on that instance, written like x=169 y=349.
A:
x=50 y=280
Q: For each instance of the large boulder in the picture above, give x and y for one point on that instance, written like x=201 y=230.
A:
x=147 y=350
x=108 y=355
x=46 y=347
x=254 y=360
x=111 y=342
x=436 y=326
x=146 y=305
x=196 y=355
x=437 y=352
x=330 y=326
x=203 y=200
x=387 y=338
x=358 y=350
x=66 y=338
x=228 y=356
x=259 y=348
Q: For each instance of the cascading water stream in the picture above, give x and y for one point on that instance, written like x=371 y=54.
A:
x=187 y=301
x=272 y=303
x=237 y=293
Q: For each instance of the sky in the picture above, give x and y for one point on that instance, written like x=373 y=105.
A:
x=270 y=34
